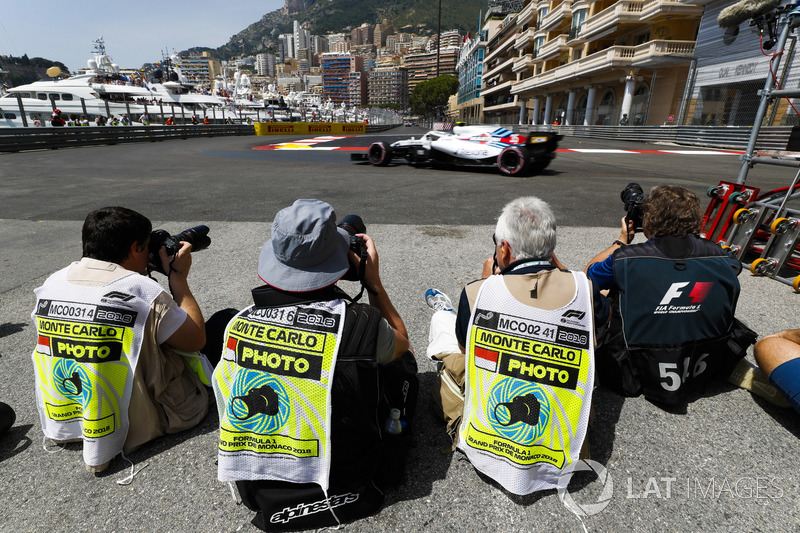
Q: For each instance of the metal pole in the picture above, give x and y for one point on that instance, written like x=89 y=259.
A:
x=83 y=105
x=439 y=39
x=22 y=111
x=108 y=110
x=783 y=21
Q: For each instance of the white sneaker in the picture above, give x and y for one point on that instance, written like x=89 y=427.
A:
x=438 y=301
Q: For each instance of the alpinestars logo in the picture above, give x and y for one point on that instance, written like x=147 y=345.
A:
x=305 y=509
x=679 y=291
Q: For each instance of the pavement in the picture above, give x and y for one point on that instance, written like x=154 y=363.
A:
x=725 y=463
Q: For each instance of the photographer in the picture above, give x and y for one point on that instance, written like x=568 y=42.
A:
x=106 y=355
x=273 y=383
x=517 y=327
x=673 y=300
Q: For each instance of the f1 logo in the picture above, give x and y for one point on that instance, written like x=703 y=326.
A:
x=698 y=294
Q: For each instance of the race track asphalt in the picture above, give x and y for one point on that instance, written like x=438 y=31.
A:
x=725 y=463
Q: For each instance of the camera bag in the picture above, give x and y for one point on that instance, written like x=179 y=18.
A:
x=364 y=459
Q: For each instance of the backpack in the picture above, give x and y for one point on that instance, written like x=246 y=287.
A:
x=364 y=459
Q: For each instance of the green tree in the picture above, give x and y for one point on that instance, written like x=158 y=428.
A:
x=431 y=95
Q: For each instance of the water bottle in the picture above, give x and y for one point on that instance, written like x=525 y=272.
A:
x=393 y=424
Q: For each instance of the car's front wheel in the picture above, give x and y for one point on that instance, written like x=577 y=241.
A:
x=379 y=154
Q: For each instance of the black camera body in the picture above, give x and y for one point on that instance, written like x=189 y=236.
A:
x=197 y=236
x=523 y=409
x=633 y=197
x=353 y=225
x=261 y=400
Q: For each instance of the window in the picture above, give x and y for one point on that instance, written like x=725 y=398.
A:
x=42 y=96
x=66 y=96
x=641 y=38
x=9 y=116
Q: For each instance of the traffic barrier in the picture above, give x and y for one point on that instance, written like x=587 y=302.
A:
x=17 y=139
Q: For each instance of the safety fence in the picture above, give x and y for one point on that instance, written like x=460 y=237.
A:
x=17 y=139
x=729 y=137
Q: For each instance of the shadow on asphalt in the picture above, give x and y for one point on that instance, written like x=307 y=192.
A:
x=158 y=446
x=9 y=328
x=15 y=442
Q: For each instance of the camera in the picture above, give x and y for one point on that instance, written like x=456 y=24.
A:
x=353 y=224
x=633 y=197
x=523 y=409
x=260 y=400
x=197 y=236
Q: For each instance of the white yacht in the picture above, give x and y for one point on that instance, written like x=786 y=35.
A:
x=100 y=91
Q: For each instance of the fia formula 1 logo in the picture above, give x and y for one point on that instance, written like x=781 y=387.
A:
x=680 y=291
x=696 y=295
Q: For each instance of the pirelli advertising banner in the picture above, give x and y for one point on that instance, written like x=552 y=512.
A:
x=85 y=356
x=273 y=393
x=529 y=382
x=310 y=128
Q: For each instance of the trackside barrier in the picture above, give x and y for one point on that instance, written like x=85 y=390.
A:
x=17 y=139
x=310 y=128
x=729 y=138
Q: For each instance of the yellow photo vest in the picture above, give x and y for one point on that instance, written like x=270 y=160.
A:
x=273 y=388
x=529 y=379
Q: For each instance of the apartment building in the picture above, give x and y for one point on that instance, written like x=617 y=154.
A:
x=422 y=66
x=388 y=85
x=357 y=86
x=604 y=62
x=499 y=105
x=336 y=69
x=204 y=68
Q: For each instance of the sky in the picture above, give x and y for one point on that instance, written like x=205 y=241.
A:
x=135 y=32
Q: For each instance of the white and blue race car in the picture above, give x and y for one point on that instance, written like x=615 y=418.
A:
x=514 y=154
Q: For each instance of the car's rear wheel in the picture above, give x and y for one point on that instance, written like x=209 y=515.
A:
x=379 y=154
x=514 y=160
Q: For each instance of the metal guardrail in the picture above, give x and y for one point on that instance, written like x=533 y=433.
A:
x=17 y=139
x=729 y=138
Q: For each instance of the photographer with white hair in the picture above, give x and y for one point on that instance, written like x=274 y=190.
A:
x=521 y=349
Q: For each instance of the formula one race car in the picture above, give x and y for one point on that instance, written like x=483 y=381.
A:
x=514 y=154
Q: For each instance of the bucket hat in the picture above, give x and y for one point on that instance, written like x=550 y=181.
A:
x=306 y=250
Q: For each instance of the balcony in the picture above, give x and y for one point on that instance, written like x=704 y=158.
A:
x=500 y=87
x=527 y=13
x=655 y=9
x=552 y=48
x=501 y=49
x=503 y=66
x=626 y=11
x=657 y=54
x=524 y=39
x=576 y=36
x=613 y=57
x=522 y=63
x=500 y=107
x=559 y=14
x=651 y=54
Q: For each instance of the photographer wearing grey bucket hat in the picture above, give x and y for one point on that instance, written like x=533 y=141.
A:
x=307 y=364
x=308 y=253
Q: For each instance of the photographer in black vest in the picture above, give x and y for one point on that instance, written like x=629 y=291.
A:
x=674 y=298
x=308 y=379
